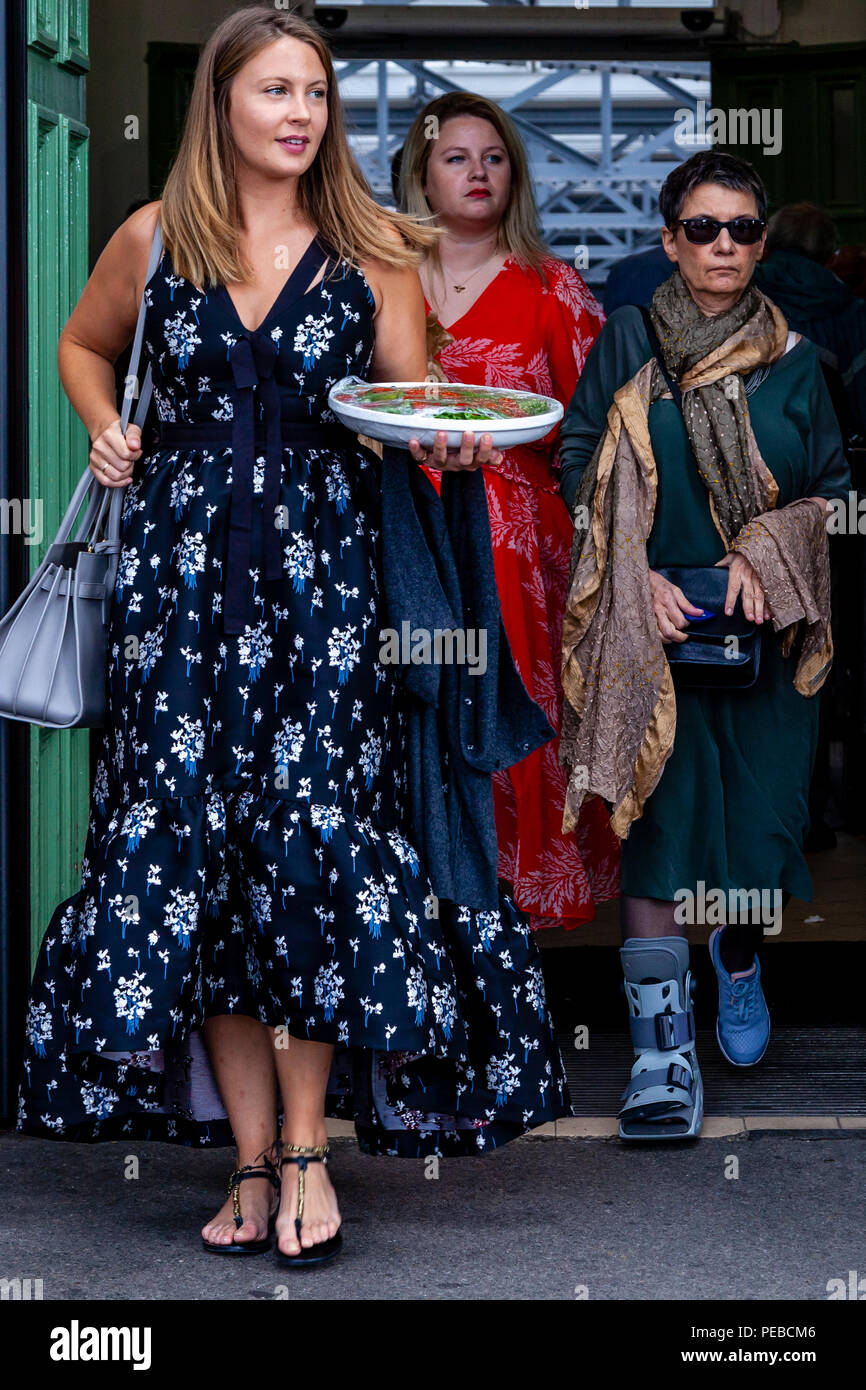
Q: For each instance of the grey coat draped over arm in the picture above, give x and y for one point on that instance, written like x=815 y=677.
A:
x=437 y=572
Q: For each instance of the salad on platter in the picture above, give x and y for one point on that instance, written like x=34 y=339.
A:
x=398 y=411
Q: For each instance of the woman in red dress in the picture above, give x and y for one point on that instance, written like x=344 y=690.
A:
x=518 y=317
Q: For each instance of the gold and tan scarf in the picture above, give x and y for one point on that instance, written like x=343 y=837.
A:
x=619 y=715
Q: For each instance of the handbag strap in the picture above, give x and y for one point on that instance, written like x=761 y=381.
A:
x=656 y=349
x=95 y=514
x=135 y=356
x=87 y=483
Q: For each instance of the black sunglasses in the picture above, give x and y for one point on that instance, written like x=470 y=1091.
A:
x=702 y=230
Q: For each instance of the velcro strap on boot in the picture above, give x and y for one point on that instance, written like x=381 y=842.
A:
x=657 y=1081
x=663 y=1031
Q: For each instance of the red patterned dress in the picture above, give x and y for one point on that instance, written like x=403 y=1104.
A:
x=518 y=334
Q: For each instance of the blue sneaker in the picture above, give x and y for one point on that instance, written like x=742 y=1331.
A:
x=743 y=1024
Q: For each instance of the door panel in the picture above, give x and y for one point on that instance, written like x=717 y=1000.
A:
x=821 y=93
x=57 y=267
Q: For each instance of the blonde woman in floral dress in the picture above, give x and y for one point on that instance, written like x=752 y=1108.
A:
x=256 y=942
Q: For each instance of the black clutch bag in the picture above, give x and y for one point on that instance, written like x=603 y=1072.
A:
x=721 y=652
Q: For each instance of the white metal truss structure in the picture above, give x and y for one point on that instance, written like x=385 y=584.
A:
x=600 y=136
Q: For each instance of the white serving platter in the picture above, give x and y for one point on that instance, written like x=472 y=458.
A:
x=430 y=412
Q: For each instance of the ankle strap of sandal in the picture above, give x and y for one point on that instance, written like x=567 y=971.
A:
x=302 y=1154
x=306 y=1153
x=250 y=1170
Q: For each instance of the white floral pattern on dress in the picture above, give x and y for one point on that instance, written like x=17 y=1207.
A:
x=246 y=851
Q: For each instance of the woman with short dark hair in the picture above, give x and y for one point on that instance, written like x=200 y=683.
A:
x=700 y=438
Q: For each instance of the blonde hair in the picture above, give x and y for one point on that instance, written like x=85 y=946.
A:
x=200 y=209
x=518 y=232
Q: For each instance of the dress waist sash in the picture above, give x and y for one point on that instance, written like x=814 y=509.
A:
x=247 y=438
x=302 y=432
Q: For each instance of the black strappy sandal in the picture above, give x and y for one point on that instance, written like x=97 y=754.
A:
x=248 y=1247
x=325 y=1249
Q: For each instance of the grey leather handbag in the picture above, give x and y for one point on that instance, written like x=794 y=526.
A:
x=54 y=638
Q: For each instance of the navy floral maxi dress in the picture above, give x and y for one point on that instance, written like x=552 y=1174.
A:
x=244 y=852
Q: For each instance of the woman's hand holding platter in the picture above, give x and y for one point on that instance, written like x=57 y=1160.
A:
x=467 y=458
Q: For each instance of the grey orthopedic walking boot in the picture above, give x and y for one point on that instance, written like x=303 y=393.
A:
x=664 y=1098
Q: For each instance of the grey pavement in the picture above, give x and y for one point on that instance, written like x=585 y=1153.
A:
x=543 y=1218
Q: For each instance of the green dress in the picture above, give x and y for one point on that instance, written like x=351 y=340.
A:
x=731 y=806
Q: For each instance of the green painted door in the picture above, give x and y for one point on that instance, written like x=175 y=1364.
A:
x=57 y=268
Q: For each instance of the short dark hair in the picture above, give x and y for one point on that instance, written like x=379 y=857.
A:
x=709 y=166
x=805 y=228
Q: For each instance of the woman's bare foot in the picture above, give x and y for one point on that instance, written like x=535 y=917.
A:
x=258 y=1199
x=321 y=1216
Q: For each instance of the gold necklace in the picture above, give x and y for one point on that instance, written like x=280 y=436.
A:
x=458 y=289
